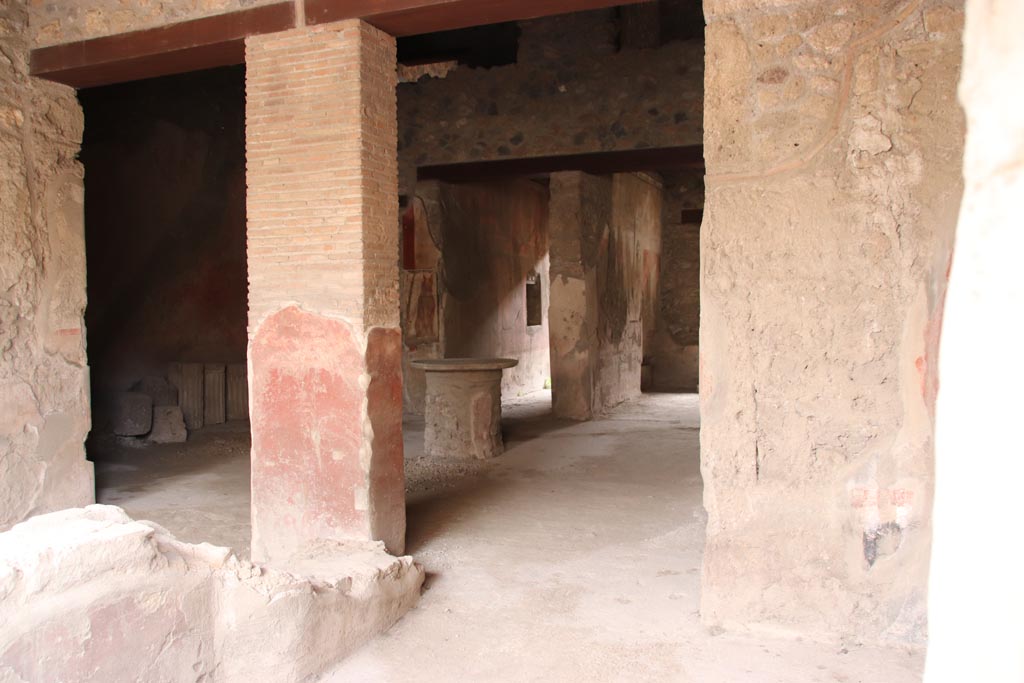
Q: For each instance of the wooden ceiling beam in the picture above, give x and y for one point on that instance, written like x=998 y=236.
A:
x=175 y=48
x=219 y=40
x=415 y=17
x=597 y=163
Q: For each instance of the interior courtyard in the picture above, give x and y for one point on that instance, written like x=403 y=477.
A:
x=432 y=340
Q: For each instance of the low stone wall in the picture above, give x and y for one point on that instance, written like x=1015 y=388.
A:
x=90 y=594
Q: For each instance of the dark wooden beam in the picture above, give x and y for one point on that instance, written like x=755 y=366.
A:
x=597 y=163
x=220 y=40
x=176 y=48
x=413 y=17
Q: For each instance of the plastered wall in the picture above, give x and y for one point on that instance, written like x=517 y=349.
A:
x=833 y=141
x=44 y=379
x=476 y=245
x=605 y=253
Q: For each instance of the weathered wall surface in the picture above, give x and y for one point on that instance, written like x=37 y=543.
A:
x=833 y=142
x=476 y=245
x=165 y=210
x=44 y=380
x=494 y=236
x=561 y=104
x=64 y=21
x=979 y=633
x=673 y=349
x=628 y=259
x=127 y=601
x=605 y=252
x=580 y=213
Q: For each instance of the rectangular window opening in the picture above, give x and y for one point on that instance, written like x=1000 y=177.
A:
x=534 y=316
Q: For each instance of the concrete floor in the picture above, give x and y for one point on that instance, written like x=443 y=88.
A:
x=575 y=556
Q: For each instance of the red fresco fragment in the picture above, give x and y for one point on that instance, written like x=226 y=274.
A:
x=306 y=431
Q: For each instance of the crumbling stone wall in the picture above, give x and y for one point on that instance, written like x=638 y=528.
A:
x=91 y=595
x=833 y=143
x=60 y=21
x=44 y=380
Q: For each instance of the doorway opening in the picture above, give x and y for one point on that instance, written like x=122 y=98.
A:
x=166 y=313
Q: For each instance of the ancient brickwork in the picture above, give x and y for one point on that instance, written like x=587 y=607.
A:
x=324 y=343
x=833 y=141
x=56 y=21
x=44 y=380
x=321 y=231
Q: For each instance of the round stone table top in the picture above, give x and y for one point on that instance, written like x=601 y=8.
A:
x=463 y=364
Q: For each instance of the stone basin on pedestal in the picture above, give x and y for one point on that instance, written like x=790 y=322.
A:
x=463 y=406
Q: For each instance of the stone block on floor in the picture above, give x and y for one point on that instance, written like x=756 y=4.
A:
x=133 y=414
x=159 y=389
x=168 y=425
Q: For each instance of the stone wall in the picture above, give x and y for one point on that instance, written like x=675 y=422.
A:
x=491 y=238
x=44 y=380
x=64 y=21
x=833 y=141
x=165 y=209
x=566 y=104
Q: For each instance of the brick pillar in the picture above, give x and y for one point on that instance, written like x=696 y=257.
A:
x=325 y=381
x=580 y=207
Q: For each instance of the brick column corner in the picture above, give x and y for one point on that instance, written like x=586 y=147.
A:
x=325 y=377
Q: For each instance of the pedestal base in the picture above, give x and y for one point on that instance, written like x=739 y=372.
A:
x=463 y=406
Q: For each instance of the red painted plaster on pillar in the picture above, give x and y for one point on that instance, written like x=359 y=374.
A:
x=384 y=409
x=314 y=474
